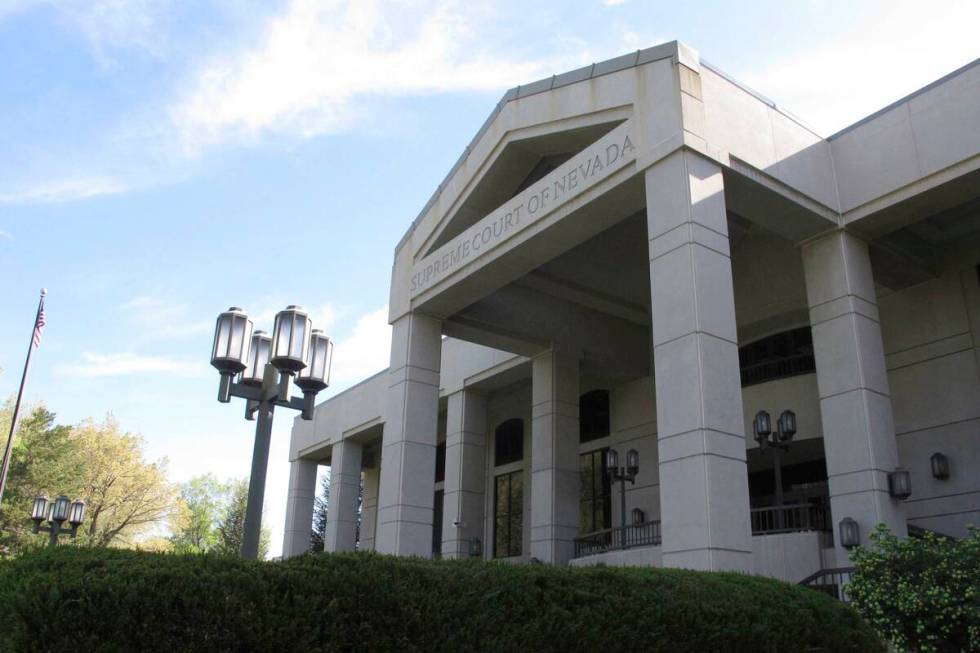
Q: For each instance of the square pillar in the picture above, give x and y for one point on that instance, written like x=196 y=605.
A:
x=465 y=484
x=369 y=508
x=855 y=404
x=299 y=507
x=345 y=486
x=554 y=456
x=408 y=452
x=704 y=494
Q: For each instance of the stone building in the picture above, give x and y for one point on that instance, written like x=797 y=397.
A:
x=643 y=254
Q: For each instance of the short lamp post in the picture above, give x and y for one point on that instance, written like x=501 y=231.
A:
x=266 y=368
x=57 y=512
x=623 y=474
x=777 y=442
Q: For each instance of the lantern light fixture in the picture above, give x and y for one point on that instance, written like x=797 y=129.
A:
x=57 y=512
x=622 y=474
x=900 y=484
x=776 y=442
x=266 y=366
x=638 y=516
x=940 y=466
x=849 y=532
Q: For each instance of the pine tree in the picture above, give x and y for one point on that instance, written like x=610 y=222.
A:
x=231 y=531
x=320 y=505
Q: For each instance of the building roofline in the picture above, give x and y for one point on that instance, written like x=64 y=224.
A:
x=925 y=89
x=616 y=64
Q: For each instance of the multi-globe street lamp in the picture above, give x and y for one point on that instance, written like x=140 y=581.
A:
x=623 y=474
x=57 y=512
x=266 y=367
x=776 y=441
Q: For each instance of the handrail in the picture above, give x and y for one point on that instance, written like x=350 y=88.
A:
x=617 y=538
x=792 y=518
x=831 y=581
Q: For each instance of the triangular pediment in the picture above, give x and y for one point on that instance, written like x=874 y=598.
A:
x=520 y=163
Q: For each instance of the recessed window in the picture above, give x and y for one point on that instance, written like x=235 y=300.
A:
x=782 y=355
x=508 y=514
x=441 y=462
x=595 y=498
x=593 y=415
x=508 y=442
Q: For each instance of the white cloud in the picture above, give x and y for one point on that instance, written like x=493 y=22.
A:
x=158 y=318
x=893 y=52
x=319 y=58
x=5 y=235
x=364 y=352
x=613 y=3
x=122 y=364
x=66 y=189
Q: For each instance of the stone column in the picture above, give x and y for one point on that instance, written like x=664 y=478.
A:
x=554 y=456
x=466 y=444
x=704 y=495
x=855 y=405
x=299 y=507
x=408 y=454
x=345 y=486
x=369 y=507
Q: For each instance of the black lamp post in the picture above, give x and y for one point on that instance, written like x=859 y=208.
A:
x=623 y=474
x=57 y=512
x=266 y=367
x=777 y=442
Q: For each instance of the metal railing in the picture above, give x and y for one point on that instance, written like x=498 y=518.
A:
x=789 y=519
x=611 y=539
x=831 y=581
x=779 y=368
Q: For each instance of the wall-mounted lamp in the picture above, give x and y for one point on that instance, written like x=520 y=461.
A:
x=940 y=466
x=850 y=533
x=475 y=547
x=638 y=516
x=900 y=484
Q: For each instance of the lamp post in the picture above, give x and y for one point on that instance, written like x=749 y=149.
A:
x=57 y=512
x=623 y=474
x=266 y=368
x=777 y=442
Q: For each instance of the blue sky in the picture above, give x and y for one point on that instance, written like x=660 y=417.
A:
x=161 y=160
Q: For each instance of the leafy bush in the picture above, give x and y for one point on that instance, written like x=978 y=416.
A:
x=920 y=593
x=115 y=600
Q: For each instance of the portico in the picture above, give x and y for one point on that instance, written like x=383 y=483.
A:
x=620 y=258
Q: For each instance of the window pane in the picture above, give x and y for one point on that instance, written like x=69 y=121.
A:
x=509 y=442
x=502 y=495
x=516 y=534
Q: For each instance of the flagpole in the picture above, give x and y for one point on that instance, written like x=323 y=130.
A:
x=20 y=395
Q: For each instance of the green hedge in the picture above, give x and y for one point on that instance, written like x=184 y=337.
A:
x=114 y=600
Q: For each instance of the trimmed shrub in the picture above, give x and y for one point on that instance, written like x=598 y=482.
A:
x=69 y=598
x=920 y=593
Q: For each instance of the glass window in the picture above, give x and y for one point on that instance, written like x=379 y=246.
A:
x=778 y=356
x=595 y=496
x=508 y=514
x=593 y=415
x=441 y=462
x=509 y=442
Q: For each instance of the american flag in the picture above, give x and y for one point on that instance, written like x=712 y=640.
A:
x=38 y=326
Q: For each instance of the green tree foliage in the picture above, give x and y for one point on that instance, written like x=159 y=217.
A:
x=920 y=593
x=320 y=506
x=96 y=600
x=231 y=531
x=199 y=510
x=126 y=497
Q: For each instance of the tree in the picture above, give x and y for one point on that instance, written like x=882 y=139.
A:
x=125 y=495
x=231 y=531
x=41 y=463
x=320 y=505
x=194 y=524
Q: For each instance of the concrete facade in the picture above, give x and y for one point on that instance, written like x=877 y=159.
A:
x=642 y=254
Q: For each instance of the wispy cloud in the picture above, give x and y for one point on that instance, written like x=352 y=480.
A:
x=5 y=235
x=317 y=60
x=891 y=53
x=63 y=190
x=123 y=364
x=365 y=351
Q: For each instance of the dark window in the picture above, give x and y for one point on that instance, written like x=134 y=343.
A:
x=779 y=356
x=509 y=442
x=437 y=503
x=595 y=497
x=441 y=462
x=508 y=514
x=593 y=415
